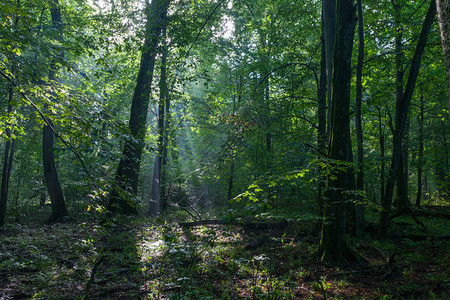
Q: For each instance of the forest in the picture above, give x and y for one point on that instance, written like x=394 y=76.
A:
x=225 y=149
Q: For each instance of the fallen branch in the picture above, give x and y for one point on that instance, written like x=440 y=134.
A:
x=421 y=237
x=91 y=279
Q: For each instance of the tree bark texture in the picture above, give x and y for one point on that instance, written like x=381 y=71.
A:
x=59 y=210
x=400 y=120
x=333 y=246
x=125 y=187
x=443 y=11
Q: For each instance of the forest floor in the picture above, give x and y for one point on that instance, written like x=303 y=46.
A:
x=135 y=258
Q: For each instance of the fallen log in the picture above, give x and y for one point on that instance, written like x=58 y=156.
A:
x=250 y=225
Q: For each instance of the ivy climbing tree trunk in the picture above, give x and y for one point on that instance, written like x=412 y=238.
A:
x=125 y=186
x=333 y=246
x=443 y=11
x=59 y=210
x=401 y=118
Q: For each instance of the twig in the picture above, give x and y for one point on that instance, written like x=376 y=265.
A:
x=203 y=25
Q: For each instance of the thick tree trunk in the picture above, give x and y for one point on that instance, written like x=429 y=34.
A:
x=59 y=210
x=155 y=198
x=322 y=123
x=329 y=32
x=400 y=120
x=420 y=163
x=333 y=246
x=443 y=11
x=125 y=187
x=402 y=175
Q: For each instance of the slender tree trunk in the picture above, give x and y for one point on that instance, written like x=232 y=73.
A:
x=9 y=149
x=163 y=188
x=155 y=198
x=443 y=167
x=230 y=180
x=420 y=163
x=333 y=246
x=59 y=210
x=382 y=151
x=125 y=187
x=400 y=120
x=7 y=163
x=443 y=11
x=358 y=120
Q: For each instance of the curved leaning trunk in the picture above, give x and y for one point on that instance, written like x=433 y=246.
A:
x=55 y=192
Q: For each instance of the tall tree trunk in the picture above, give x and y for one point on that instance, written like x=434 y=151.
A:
x=443 y=167
x=163 y=183
x=7 y=163
x=358 y=119
x=401 y=178
x=59 y=210
x=381 y=138
x=443 y=11
x=400 y=120
x=402 y=175
x=333 y=246
x=155 y=198
x=9 y=150
x=420 y=163
x=322 y=122
x=329 y=25
x=125 y=186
